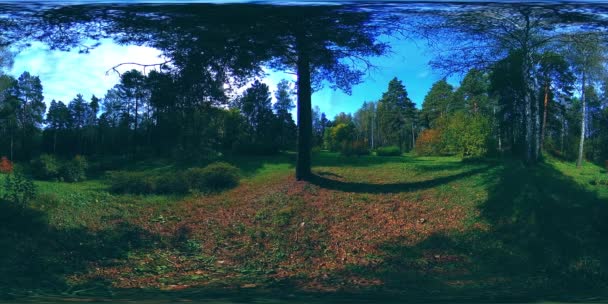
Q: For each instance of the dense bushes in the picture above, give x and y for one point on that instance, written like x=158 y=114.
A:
x=428 y=142
x=216 y=176
x=45 y=167
x=350 y=148
x=132 y=182
x=388 y=151
x=466 y=135
x=48 y=167
x=342 y=138
x=18 y=188
x=6 y=166
x=459 y=134
x=74 y=170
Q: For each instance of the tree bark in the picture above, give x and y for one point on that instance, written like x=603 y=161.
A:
x=413 y=137
x=537 y=126
x=579 y=161
x=12 y=145
x=55 y=141
x=561 y=147
x=528 y=125
x=546 y=102
x=304 y=111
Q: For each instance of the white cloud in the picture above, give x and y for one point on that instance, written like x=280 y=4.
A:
x=423 y=74
x=65 y=74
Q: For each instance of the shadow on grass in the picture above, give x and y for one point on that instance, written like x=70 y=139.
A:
x=546 y=239
x=328 y=183
x=332 y=159
x=36 y=257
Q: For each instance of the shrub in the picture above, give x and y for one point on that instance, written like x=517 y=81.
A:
x=132 y=182
x=215 y=176
x=173 y=182
x=466 y=135
x=18 y=189
x=600 y=180
x=338 y=135
x=428 y=142
x=354 y=148
x=46 y=166
x=388 y=151
x=75 y=169
x=6 y=166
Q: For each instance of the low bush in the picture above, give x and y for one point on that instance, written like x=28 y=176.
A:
x=171 y=182
x=6 y=166
x=428 y=143
x=18 y=189
x=600 y=180
x=354 y=148
x=132 y=182
x=46 y=166
x=388 y=151
x=74 y=170
x=216 y=176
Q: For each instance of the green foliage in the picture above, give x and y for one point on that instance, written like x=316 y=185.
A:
x=46 y=166
x=216 y=176
x=75 y=169
x=341 y=137
x=388 y=151
x=466 y=135
x=170 y=183
x=395 y=114
x=18 y=189
x=601 y=179
x=132 y=182
x=350 y=148
x=437 y=102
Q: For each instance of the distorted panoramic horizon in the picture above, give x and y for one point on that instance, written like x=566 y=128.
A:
x=303 y=152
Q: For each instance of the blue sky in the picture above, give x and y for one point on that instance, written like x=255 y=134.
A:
x=65 y=74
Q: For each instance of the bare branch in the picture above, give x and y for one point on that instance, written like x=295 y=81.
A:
x=160 y=64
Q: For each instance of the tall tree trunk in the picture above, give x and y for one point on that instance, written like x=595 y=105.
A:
x=303 y=162
x=413 y=137
x=12 y=144
x=537 y=126
x=528 y=125
x=546 y=102
x=373 y=114
x=579 y=161
x=55 y=141
x=561 y=147
x=134 y=143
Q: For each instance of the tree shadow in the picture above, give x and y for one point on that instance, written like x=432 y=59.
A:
x=545 y=239
x=331 y=159
x=333 y=184
x=37 y=257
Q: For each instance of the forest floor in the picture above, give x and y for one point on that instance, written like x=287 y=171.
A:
x=432 y=227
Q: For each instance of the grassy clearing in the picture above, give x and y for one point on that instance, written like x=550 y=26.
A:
x=400 y=224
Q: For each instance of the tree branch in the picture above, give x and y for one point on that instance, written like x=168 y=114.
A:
x=115 y=68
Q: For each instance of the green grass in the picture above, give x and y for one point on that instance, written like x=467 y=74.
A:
x=493 y=229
